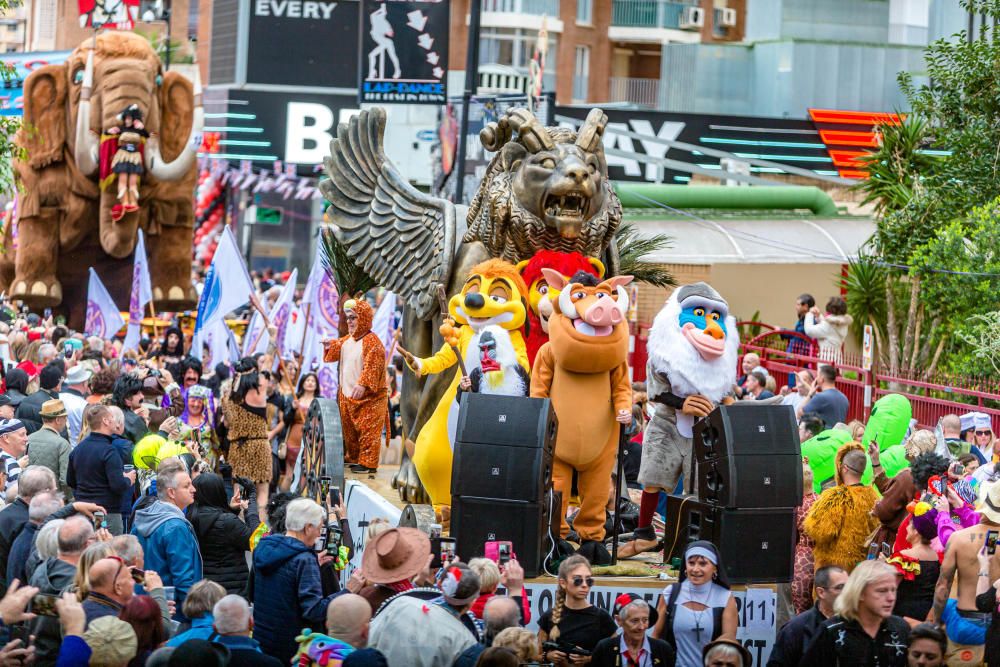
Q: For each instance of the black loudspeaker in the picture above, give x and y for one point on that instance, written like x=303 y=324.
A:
x=503 y=448
x=476 y=521
x=757 y=545
x=751 y=481
x=746 y=429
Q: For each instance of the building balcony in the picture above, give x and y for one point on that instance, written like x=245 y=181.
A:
x=533 y=7
x=630 y=90
x=649 y=14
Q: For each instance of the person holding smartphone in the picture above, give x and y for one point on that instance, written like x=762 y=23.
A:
x=223 y=527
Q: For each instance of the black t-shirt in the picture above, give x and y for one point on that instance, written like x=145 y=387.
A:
x=580 y=627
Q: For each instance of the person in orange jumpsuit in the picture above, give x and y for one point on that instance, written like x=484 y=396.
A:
x=362 y=395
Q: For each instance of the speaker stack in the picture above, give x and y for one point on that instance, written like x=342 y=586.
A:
x=501 y=479
x=748 y=468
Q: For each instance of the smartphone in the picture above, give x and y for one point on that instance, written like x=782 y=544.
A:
x=334 y=496
x=991 y=541
x=100 y=520
x=68 y=351
x=435 y=531
x=957 y=469
x=324 y=486
x=887 y=549
x=503 y=553
x=334 y=537
x=320 y=544
x=442 y=551
x=873 y=551
x=138 y=576
x=48 y=313
x=44 y=605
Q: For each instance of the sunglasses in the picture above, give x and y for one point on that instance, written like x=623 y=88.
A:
x=579 y=581
x=984 y=432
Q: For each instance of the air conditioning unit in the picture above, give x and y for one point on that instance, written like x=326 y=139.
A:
x=728 y=18
x=692 y=18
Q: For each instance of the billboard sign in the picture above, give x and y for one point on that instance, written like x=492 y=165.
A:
x=303 y=43
x=12 y=89
x=404 y=52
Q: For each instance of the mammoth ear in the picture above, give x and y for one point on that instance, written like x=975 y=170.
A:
x=176 y=114
x=43 y=134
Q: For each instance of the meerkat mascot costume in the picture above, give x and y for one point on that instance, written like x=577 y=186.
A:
x=493 y=294
x=693 y=347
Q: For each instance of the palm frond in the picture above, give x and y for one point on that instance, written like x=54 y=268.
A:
x=350 y=279
x=632 y=249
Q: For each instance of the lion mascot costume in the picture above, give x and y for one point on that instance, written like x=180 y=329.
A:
x=693 y=347
x=583 y=369
x=493 y=294
x=536 y=329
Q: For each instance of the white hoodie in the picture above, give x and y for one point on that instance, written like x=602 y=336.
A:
x=830 y=332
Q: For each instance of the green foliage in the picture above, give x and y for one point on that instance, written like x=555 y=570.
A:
x=930 y=269
x=178 y=54
x=632 y=249
x=9 y=125
x=350 y=279
x=982 y=335
x=750 y=331
x=896 y=169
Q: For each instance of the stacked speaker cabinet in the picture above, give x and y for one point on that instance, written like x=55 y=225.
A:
x=501 y=479
x=748 y=467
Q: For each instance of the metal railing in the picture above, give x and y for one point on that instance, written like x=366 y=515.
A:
x=644 y=92
x=648 y=13
x=535 y=7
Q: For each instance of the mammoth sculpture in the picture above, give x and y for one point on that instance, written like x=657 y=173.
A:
x=545 y=188
x=70 y=216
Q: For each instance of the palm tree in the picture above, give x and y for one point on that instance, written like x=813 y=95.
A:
x=897 y=166
x=632 y=248
x=350 y=279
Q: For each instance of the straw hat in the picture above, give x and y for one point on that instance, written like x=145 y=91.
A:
x=395 y=555
x=52 y=409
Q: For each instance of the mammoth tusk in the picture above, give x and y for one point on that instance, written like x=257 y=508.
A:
x=162 y=170
x=85 y=148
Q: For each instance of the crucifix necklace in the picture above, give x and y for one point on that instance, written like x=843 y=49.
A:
x=697 y=623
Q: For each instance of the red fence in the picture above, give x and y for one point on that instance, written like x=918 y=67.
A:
x=930 y=400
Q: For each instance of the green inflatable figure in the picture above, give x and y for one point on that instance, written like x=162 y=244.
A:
x=821 y=450
x=888 y=423
x=893 y=459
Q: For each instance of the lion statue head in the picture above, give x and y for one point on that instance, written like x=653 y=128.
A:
x=545 y=189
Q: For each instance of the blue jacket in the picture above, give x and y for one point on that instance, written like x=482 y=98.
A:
x=95 y=472
x=170 y=547
x=19 y=552
x=201 y=628
x=287 y=594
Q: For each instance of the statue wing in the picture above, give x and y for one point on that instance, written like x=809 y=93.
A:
x=402 y=238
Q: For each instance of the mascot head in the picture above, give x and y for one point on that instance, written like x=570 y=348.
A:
x=566 y=263
x=494 y=293
x=695 y=342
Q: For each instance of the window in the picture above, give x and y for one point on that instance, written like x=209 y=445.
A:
x=581 y=73
x=584 y=11
x=514 y=47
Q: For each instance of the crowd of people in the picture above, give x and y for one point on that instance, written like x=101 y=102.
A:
x=148 y=519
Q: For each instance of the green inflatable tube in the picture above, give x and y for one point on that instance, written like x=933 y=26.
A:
x=893 y=459
x=889 y=421
x=787 y=197
x=821 y=450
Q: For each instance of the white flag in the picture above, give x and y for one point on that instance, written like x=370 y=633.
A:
x=320 y=296
x=256 y=333
x=227 y=285
x=103 y=317
x=219 y=343
x=142 y=293
x=312 y=362
x=281 y=314
x=384 y=321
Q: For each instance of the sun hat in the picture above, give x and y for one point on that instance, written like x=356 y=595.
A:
x=395 y=555
x=78 y=374
x=52 y=408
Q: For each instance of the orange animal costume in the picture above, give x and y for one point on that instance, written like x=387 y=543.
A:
x=583 y=369
x=362 y=363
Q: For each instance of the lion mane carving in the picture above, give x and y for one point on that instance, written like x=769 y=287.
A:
x=545 y=188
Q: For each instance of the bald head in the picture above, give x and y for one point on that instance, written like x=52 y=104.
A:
x=110 y=577
x=74 y=536
x=951 y=426
x=347 y=619
x=499 y=614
